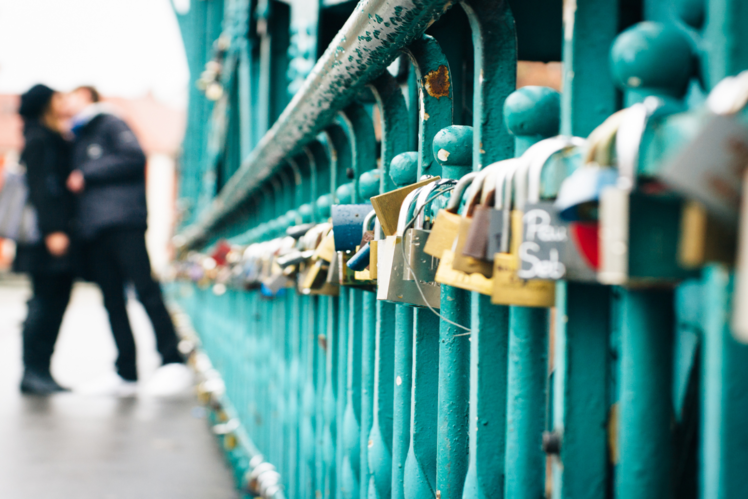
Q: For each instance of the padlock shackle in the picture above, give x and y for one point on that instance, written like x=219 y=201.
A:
x=539 y=161
x=730 y=95
x=404 y=210
x=629 y=139
x=454 y=201
x=600 y=141
x=502 y=168
x=476 y=191
x=423 y=198
x=533 y=161
x=488 y=193
x=367 y=220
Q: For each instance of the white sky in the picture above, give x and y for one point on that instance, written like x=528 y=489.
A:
x=123 y=47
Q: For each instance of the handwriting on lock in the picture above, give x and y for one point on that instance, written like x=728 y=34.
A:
x=544 y=235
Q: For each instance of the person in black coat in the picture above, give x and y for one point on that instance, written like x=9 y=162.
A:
x=50 y=263
x=109 y=180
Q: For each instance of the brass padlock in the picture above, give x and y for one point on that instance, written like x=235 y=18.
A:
x=388 y=205
x=475 y=281
x=507 y=287
x=319 y=276
x=462 y=261
x=704 y=238
x=444 y=230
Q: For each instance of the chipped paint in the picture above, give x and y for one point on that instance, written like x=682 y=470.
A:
x=443 y=155
x=437 y=82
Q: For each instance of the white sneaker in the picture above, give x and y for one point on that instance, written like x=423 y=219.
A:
x=111 y=384
x=168 y=381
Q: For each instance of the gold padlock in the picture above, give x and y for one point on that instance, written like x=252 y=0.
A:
x=446 y=225
x=446 y=273
x=387 y=205
x=508 y=288
x=461 y=261
x=703 y=238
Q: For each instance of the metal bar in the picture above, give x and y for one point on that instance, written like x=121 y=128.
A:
x=403 y=353
x=495 y=53
x=645 y=412
x=489 y=344
x=724 y=439
x=580 y=401
x=589 y=94
x=394 y=122
x=420 y=465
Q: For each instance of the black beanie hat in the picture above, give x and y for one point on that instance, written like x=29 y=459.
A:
x=35 y=101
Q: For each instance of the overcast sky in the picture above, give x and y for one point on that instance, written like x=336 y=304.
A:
x=124 y=47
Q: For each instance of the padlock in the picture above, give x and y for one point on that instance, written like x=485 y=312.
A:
x=326 y=247
x=347 y=223
x=578 y=199
x=545 y=237
x=318 y=276
x=391 y=285
x=370 y=239
x=704 y=238
x=708 y=172
x=444 y=229
x=639 y=223
x=709 y=169
x=388 y=205
x=476 y=243
x=419 y=264
x=446 y=273
x=506 y=287
x=461 y=261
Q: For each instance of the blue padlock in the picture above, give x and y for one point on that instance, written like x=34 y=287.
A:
x=360 y=260
x=348 y=224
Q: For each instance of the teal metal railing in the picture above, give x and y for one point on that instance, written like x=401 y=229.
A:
x=625 y=390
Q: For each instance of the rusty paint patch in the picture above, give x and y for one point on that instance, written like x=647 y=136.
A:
x=437 y=82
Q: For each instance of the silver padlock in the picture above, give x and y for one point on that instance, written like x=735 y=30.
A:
x=545 y=237
x=421 y=265
x=639 y=232
x=392 y=286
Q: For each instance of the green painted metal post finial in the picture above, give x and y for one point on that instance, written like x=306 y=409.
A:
x=652 y=59
x=368 y=184
x=404 y=168
x=324 y=206
x=453 y=150
x=531 y=114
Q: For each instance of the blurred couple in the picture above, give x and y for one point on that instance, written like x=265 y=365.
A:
x=86 y=178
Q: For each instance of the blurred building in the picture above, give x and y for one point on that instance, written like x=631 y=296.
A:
x=159 y=129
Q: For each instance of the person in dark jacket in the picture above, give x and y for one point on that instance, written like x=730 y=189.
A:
x=108 y=178
x=50 y=263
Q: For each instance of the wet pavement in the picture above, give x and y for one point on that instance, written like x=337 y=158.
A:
x=72 y=446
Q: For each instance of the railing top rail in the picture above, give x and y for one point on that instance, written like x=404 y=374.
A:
x=368 y=42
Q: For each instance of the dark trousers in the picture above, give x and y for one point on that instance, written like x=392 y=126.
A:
x=118 y=256
x=45 y=310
